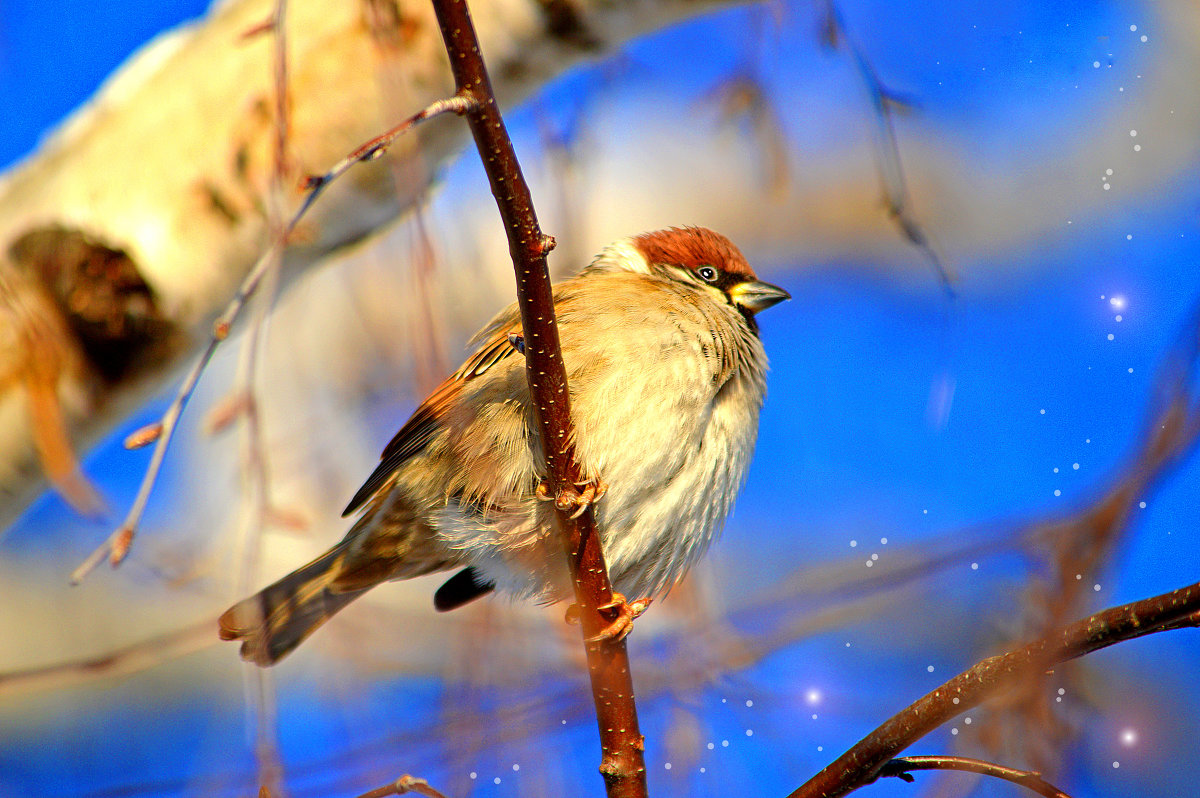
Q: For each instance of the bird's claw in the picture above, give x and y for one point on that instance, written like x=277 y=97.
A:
x=623 y=614
x=570 y=497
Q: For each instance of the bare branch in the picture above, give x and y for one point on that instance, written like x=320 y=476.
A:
x=256 y=484
x=1078 y=545
x=122 y=662
x=117 y=546
x=884 y=104
x=404 y=784
x=902 y=767
x=622 y=764
x=863 y=762
x=376 y=147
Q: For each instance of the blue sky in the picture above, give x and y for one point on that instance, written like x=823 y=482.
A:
x=54 y=55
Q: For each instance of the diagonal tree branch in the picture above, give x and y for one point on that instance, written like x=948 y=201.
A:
x=124 y=661
x=622 y=744
x=884 y=104
x=864 y=762
x=116 y=547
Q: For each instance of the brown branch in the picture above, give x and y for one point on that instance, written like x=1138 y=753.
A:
x=864 y=762
x=256 y=481
x=401 y=786
x=901 y=768
x=377 y=146
x=123 y=661
x=1024 y=724
x=884 y=104
x=621 y=742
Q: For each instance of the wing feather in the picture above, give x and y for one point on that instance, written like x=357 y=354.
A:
x=425 y=421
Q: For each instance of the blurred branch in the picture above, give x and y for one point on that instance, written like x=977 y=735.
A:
x=401 y=786
x=743 y=96
x=121 y=662
x=1079 y=545
x=1080 y=542
x=884 y=104
x=256 y=482
x=116 y=547
x=863 y=762
x=902 y=767
x=622 y=763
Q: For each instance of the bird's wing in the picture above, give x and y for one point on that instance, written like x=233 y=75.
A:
x=425 y=421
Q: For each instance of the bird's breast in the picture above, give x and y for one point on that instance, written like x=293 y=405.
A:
x=666 y=416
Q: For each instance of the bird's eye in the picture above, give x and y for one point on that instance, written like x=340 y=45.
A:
x=707 y=273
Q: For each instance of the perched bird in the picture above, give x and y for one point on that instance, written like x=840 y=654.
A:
x=667 y=375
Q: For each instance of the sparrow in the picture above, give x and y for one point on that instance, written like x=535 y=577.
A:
x=667 y=375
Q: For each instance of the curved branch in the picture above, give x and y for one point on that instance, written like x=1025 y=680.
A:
x=864 y=762
x=116 y=547
x=902 y=767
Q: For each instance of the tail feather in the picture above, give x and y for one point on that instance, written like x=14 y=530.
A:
x=281 y=616
x=462 y=588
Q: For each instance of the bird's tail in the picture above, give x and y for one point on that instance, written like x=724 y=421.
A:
x=281 y=616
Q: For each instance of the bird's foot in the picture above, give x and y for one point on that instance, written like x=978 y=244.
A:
x=590 y=492
x=623 y=613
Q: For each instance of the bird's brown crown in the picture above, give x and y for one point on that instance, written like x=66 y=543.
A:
x=692 y=247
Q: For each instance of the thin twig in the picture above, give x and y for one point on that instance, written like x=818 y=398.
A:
x=402 y=785
x=376 y=147
x=743 y=96
x=622 y=744
x=256 y=485
x=862 y=763
x=123 y=661
x=117 y=546
x=884 y=103
x=901 y=768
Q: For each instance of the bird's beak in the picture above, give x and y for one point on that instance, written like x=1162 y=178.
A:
x=755 y=295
